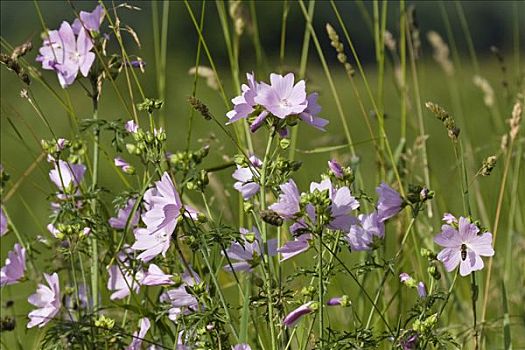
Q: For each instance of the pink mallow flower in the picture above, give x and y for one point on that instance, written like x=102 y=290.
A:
x=131 y=127
x=15 y=266
x=122 y=279
x=293 y=317
x=336 y=168
x=181 y=301
x=249 y=251
x=90 y=21
x=243 y=346
x=282 y=98
x=138 y=336
x=121 y=163
x=66 y=54
x=119 y=222
x=67 y=175
x=244 y=176
x=309 y=115
x=156 y=277
x=3 y=222
x=292 y=248
x=288 y=204
x=244 y=104
x=463 y=246
x=390 y=202
x=343 y=203
x=165 y=211
x=362 y=233
x=47 y=299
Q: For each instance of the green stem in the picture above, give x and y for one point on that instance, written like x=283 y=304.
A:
x=94 y=244
x=264 y=235
x=320 y=278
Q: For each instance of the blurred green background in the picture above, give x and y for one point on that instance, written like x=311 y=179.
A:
x=490 y=24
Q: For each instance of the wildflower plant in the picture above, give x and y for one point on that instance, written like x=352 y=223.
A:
x=240 y=241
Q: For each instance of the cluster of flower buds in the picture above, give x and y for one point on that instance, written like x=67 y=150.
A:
x=337 y=171
x=425 y=326
x=148 y=145
x=150 y=105
x=432 y=269
x=185 y=161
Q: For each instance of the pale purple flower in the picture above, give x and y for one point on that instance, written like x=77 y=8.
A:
x=309 y=115
x=390 y=202
x=339 y=301
x=181 y=301
x=336 y=301
x=421 y=290
x=53 y=230
x=282 y=98
x=67 y=55
x=259 y=121
x=246 y=254
x=67 y=175
x=156 y=277
x=119 y=222
x=293 y=317
x=86 y=231
x=244 y=176
x=404 y=277
x=79 y=299
x=243 y=346
x=244 y=104
x=343 y=203
x=138 y=336
x=450 y=219
x=15 y=266
x=47 y=299
x=3 y=222
x=362 y=232
x=121 y=163
x=292 y=248
x=410 y=342
x=336 y=168
x=288 y=204
x=463 y=246
x=90 y=21
x=61 y=144
x=131 y=126
x=165 y=211
x=122 y=279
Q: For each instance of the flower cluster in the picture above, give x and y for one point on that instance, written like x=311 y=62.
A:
x=67 y=51
x=165 y=210
x=280 y=103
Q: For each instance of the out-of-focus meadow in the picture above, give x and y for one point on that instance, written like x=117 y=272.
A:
x=469 y=29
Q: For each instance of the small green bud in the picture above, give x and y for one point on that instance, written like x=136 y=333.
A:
x=249 y=237
x=131 y=148
x=248 y=206
x=284 y=143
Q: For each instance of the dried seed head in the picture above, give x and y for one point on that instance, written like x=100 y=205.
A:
x=206 y=73
x=441 y=52
x=339 y=48
x=200 y=107
x=446 y=119
x=238 y=15
x=515 y=120
x=390 y=42
x=488 y=165
x=504 y=142
x=488 y=92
